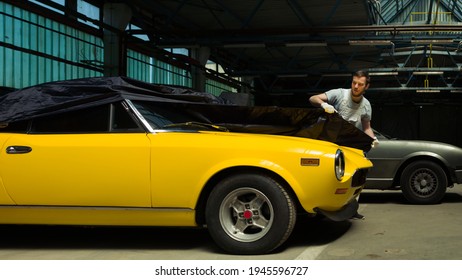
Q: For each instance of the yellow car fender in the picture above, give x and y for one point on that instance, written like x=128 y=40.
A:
x=246 y=162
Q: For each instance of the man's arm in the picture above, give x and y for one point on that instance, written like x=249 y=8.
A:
x=368 y=129
x=320 y=100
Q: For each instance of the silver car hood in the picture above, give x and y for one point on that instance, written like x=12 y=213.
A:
x=402 y=149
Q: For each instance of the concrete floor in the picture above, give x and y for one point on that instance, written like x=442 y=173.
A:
x=392 y=230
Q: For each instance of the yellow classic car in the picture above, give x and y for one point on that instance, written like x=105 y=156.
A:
x=132 y=161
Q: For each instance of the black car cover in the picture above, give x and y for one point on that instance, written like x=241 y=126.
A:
x=57 y=97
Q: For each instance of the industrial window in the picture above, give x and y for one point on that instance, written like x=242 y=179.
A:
x=132 y=27
x=38 y=49
x=90 y=11
x=60 y=2
x=146 y=68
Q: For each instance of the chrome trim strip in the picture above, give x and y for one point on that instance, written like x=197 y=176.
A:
x=103 y=208
x=143 y=121
x=379 y=179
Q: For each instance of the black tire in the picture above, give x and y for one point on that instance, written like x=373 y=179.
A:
x=424 y=182
x=249 y=214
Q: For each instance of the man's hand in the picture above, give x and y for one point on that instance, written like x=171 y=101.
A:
x=328 y=108
x=375 y=143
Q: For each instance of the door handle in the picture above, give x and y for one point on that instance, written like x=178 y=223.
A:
x=18 y=149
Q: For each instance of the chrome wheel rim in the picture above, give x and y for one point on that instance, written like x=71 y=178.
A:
x=246 y=214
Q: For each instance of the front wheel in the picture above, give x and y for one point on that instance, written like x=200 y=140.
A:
x=249 y=214
x=424 y=182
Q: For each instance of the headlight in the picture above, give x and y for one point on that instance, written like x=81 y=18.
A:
x=339 y=165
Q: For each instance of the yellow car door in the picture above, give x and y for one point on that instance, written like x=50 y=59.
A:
x=109 y=169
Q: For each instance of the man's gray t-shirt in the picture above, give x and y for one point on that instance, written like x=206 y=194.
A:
x=351 y=111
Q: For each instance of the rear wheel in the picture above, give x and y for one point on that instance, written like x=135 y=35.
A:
x=250 y=214
x=424 y=182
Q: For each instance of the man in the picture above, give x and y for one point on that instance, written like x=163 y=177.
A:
x=350 y=103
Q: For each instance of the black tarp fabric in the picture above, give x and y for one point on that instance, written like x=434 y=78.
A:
x=56 y=97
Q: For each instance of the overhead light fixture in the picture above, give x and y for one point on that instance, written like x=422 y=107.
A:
x=245 y=45
x=383 y=73
x=306 y=44
x=336 y=75
x=428 y=91
x=292 y=75
x=427 y=73
x=432 y=41
x=179 y=46
x=370 y=42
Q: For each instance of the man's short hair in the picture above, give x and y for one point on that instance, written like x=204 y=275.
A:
x=363 y=73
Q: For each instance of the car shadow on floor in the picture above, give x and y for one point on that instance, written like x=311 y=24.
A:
x=316 y=231
x=84 y=237
x=307 y=232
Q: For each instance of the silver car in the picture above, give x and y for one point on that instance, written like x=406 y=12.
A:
x=422 y=170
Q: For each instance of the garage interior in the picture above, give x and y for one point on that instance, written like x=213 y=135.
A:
x=265 y=52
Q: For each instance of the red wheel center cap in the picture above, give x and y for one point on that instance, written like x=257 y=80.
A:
x=248 y=214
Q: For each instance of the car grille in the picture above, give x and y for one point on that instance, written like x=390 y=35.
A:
x=359 y=178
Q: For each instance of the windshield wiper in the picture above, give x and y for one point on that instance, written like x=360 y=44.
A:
x=198 y=125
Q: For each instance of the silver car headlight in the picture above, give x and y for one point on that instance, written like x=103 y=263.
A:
x=339 y=164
